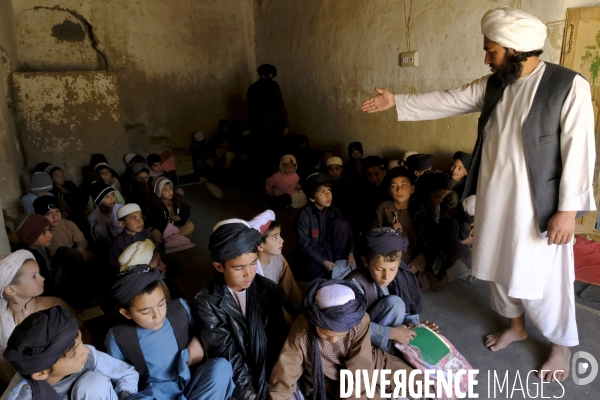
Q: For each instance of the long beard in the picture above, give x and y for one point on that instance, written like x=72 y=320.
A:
x=509 y=71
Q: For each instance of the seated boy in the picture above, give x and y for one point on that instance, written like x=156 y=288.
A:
x=331 y=334
x=39 y=185
x=419 y=163
x=65 y=271
x=458 y=171
x=69 y=195
x=157 y=171
x=108 y=177
x=21 y=288
x=53 y=364
x=273 y=266
x=354 y=169
x=104 y=223
x=324 y=236
x=156 y=341
x=342 y=191
x=374 y=191
x=130 y=160
x=392 y=291
x=132 y=222
x=64 y=232
x=168 y=207
x=239 y=314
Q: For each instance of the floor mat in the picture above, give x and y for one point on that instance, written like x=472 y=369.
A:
x=587 y=261
x=591 y=292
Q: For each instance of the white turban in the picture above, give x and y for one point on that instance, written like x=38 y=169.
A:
x=514 y=29
x=136 y=254
x=469 y=205
x=262 y=221
x=9 y=266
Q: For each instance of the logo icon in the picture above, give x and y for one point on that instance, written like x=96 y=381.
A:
x=584 y=363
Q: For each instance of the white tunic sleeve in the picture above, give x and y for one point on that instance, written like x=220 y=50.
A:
x=578 y=149
x=435 y=105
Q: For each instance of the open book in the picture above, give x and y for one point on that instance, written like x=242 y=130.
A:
x=432 y=347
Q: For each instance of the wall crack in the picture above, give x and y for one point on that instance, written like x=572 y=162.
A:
x=88 y=27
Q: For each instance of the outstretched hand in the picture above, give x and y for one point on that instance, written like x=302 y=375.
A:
x=383 y=101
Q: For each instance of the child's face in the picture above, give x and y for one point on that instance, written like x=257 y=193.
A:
x=419 y=173
x=375 y=175
x=54 y=216
x=44 y=240
x=157 y=167
x=142 y=177
x=148 y=310
x=356 y=155
x=335 y=171
x=326 y=156
x=58 y=177
x=401 y=189
x=110 y=201
x=133 y=223
x=330 y=336
x=106 y=176
x=322 y=197
x=273 y=244
x=70 y=363
x=458 y=170
x=436 y=198
x=289 y=168
x=383 y=272
x=239 y=272
x=31 y=283
x=167 y=192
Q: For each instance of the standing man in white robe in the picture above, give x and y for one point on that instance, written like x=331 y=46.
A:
x=530 y=272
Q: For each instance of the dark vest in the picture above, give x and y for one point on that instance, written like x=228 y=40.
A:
x=129 y=344
x=541 y=138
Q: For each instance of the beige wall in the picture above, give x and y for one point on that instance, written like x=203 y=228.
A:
x=11 y=159
x=181 y=65
x=330 y=54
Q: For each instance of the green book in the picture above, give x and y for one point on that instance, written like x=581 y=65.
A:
x=432 y=347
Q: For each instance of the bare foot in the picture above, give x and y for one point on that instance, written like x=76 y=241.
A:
x=498 y=341
x=556 y=367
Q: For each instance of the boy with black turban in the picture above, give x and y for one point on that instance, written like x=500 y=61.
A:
x=331 y=334
x=155 y=338
x=53 y=364
x=239 y=314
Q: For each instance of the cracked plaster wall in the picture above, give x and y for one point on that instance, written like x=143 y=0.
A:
x=330 y=54
x=181 y=65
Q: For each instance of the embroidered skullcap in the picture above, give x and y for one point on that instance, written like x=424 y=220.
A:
x=514 y=29
x=262 y=221
x=127 y=209
x=137 y=253
x=334 y=161
x=334 y=295
x=43 y=204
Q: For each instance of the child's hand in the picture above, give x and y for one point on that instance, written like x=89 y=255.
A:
x=196 y=352
x=396 y=225
x=413 y=269
x=351 y=260
x=402 y=334
x=328 y=265
x=175 y=218
x=431 y=326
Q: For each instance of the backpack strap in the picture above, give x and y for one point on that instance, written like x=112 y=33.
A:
x=129 y=344
x=178 y=317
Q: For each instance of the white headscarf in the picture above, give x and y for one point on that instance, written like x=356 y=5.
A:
x=136 y=254
x=9 y=265
x=513 y=29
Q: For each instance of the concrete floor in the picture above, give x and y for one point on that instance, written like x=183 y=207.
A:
x=462 y=310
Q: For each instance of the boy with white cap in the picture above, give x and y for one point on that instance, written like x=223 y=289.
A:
x=331 y=334
x=536 y=131
x=132 y=221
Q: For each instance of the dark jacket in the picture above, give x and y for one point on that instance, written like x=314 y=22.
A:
x=158 y=213
x=314 y=240
x=225 y=331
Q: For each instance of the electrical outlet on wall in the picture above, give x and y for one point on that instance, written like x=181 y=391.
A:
x=409 y=59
